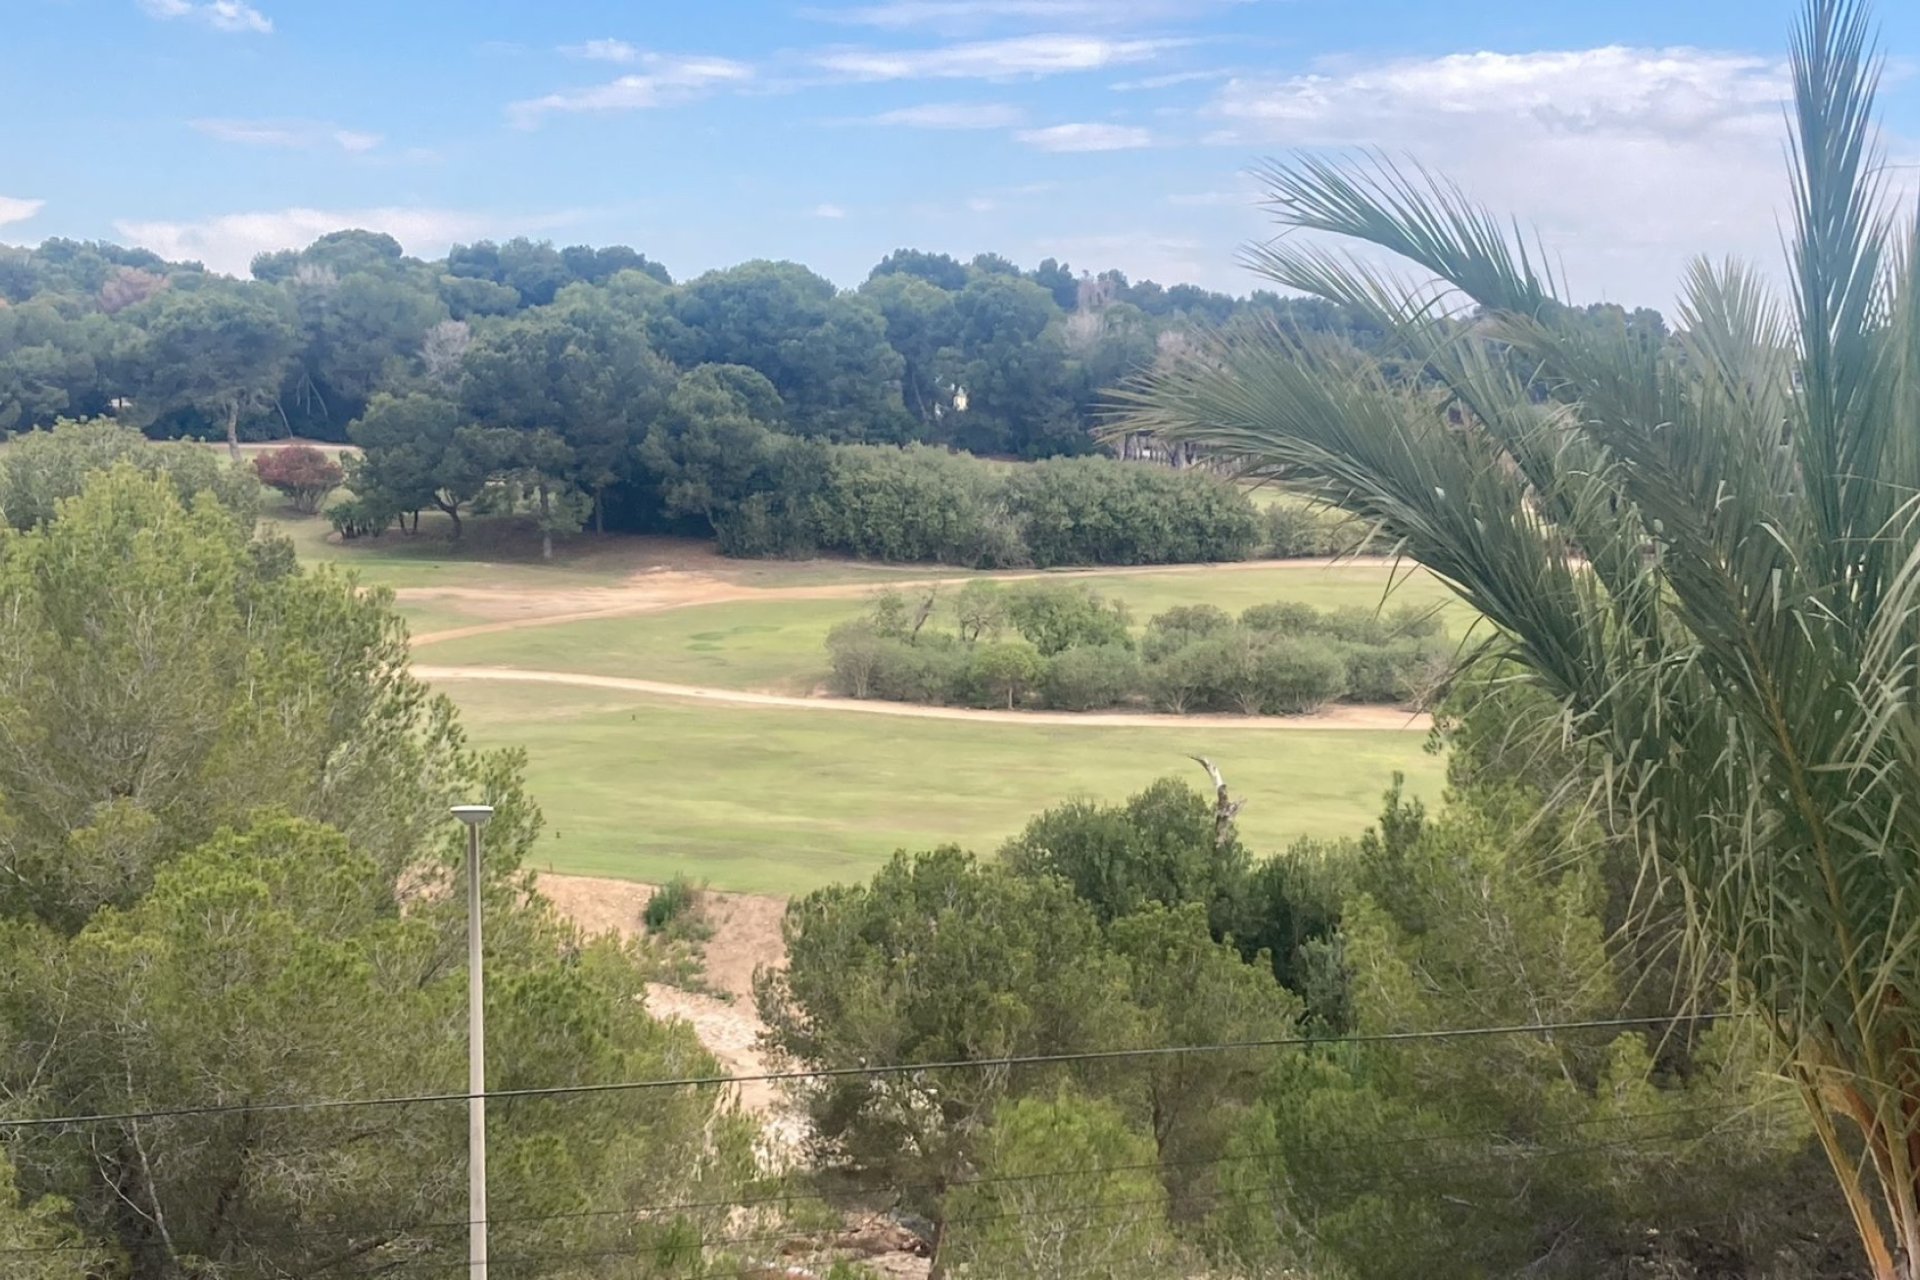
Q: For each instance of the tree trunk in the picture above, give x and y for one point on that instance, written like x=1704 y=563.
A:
x=937 y=1264
x=599 y=510
x=233 y=432
x=546 y=525
x=453 y=513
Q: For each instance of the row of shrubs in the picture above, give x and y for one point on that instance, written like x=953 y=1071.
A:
x=1066 y=648
x=925 y=504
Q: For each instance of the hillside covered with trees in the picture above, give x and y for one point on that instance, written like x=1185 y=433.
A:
x=587 y=388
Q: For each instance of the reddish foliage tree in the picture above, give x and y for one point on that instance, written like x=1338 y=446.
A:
x=305 y=474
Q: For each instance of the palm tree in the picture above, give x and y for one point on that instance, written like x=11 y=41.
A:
x=1706 y=549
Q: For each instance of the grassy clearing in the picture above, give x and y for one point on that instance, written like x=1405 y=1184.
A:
x=780 y=644
x=784 y=801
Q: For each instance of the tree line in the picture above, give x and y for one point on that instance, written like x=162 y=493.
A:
x=585 y=387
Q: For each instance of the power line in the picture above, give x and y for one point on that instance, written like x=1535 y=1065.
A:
x=1079 y=1171
x=838 y=1073
x=1260 y=1193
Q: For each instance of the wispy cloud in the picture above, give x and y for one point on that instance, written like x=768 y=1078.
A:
x=1021 y=57
x=972 y=15
x=229 y=242
x=221 y=15
x=1086 y=137
x=602 y=51
x=832 y=212
x=1628 y=161
x=953 y=115
x=295 y=135
x=15 y=209
x=1169 y=81
x=666 y=82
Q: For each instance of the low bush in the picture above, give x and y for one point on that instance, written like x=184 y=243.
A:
x=1282 y=617
x=1002 y=675
x=675 y=901
x=1091 y=678
x=1181 y=626
x=1101 y=511
x=1054 y=617
x=1075 y=653
x=919 y=503
x=1296 y=530
x=358 y=518
x=1299 y=675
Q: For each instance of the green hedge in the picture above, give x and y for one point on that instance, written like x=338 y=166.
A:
x=1072 y=651
x=921 y=504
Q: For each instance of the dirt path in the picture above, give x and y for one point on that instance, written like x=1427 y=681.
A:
x=1335 y=718
x=659 y=590
x=746 y=937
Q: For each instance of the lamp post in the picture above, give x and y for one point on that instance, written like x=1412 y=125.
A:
x=475 y=816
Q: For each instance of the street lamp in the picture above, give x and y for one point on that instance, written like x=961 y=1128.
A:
x=476 y=817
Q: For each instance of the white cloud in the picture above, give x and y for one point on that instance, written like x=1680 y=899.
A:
x=830 y=211
x=982 y=204
x=951 y=15
x=296 y=135
x=14 y=209
x=603 y=51
x=1086 y=137
x=953 y=115
x=221 y=15
x=1628 y=162
x=228 y=242
x=1019 y=57
x=667 y=80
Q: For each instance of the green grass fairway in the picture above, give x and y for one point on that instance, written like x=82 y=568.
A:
x=785 y=801
x=781 y=644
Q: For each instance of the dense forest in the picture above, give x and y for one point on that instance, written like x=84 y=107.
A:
x=586 y=387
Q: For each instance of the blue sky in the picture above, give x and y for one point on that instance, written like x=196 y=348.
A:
x=1631 y=134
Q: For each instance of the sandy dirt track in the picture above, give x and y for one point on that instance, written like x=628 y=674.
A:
x=662 y=589
x=1334 y=718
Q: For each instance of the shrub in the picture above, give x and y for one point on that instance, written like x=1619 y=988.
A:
x=919 y=504
x=1301 y=674
x=39 y=468
x=1295 y=529
x=1054 y=617
x=926 y=672
x=677 y=899
x=1002 y=674
x=359 y=518
x=1181 y=626
x=1090 y=678
x=856 y=651
x=304 y=474
x=1283 y=617
x=1102 y=511
x=1178 y=683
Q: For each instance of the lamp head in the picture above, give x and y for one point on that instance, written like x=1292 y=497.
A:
x=474 y=815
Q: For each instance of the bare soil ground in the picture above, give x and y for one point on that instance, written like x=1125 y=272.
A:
x=746 y=937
